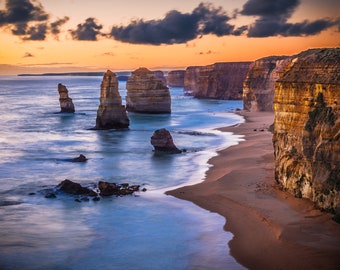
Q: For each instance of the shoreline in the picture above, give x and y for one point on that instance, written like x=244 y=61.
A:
x=271 y=228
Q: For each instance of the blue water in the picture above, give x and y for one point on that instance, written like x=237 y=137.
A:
x=146 y=231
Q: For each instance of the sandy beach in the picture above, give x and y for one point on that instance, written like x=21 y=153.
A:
x=272 y=229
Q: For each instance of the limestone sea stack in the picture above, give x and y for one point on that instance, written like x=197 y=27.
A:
x=217 y=81
x=259 y=84
x=307 y=128
x=146 y=93
x=111 y=113
x=66 y=104
x=162 y=142
x=176 y=78
x=160 y=75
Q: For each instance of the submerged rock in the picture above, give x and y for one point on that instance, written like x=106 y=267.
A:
x=66 y=104
x=162 y=142
x=81 y=158
x=146 y=93
x=111 y=113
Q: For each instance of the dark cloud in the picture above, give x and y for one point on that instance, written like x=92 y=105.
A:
x=22 y=11
x=176 y=27
x=29 y=20
x=273 y=17
x=55 y=26
x=87 y=31
x=37 y=32
x=270 y=8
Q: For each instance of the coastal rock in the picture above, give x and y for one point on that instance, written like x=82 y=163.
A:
x=111 y=113
x=71 y=187
x=160 y=75
x=146 y=93
x=81 y=158
x=259 y=84
x=109 y=189
x=162 y=142
x=217 y=81
x=176 y=78
x=307 y=128
x=66 y=104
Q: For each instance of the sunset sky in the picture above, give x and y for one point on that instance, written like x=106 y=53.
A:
x=38 y=36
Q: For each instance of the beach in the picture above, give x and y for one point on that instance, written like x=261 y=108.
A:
x=271 y=228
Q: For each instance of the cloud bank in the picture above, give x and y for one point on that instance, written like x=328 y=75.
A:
x=177 y=27
x=28 y=20
x=273 y=17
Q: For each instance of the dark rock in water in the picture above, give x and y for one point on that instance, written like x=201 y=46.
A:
x=109 y=189
x=70 y=187
x=50 y=195
x=81 y=158
x=66 y=104
x=162 y=142
x=96 y=199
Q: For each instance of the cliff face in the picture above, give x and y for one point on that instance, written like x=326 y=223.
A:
x=259 y=84
x=307 y=128
x=146 y=93
x=176 y=78
x=66 y=104
x=111 y=113
x=217 y=81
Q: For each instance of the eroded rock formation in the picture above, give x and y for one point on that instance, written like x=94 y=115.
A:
x=217 y=81
x=111 y=113
x=160 y=75
x=162 y=141
x=259 y=84
x=176 y=78
x=66 y=104
x=307 y=128
x=146 y=93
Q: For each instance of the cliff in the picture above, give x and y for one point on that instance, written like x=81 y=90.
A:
x=307 y=128
x=176 y=78
x=146 y=93
x=259 y=84
x=217 y=81
x=111 y=113
x=66 y=104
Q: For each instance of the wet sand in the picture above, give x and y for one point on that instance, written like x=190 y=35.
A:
x=272 y=229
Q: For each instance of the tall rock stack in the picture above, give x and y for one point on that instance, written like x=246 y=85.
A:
x=111 y=113
x=307 y=128
x=66 y=104
x=146 y=93
x=176 y=78
x=217 y=81
x=259 y=84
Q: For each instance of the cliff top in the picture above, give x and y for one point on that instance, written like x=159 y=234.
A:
x=315 y=66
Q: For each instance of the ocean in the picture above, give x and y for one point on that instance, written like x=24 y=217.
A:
x=148 y=230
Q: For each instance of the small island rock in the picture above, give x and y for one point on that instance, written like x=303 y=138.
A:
x=162 y=142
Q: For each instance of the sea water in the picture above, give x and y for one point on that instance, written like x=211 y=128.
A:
x=147 y=231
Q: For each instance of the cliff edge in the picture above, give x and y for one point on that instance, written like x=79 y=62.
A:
x=307 y=128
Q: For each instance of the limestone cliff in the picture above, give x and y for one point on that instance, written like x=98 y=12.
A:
x=307 y=127
x=111 y=113
x=66 y=104
x=146 y=93
x=176 y=78
x=217 y=81
x=259 y=84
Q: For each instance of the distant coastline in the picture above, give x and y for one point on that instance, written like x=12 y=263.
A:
x=65 y=74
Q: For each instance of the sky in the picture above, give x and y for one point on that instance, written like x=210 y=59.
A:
x=39 y=36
